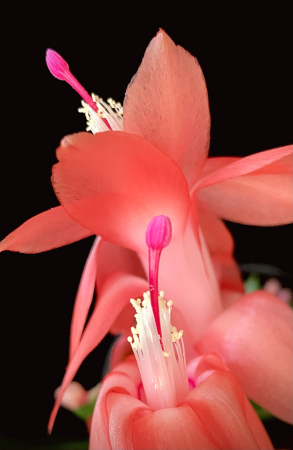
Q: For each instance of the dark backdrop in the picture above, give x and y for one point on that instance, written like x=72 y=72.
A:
x=246 y=58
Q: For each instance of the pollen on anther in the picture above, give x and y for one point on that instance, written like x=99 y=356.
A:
x=162 y=368
x=111 y=112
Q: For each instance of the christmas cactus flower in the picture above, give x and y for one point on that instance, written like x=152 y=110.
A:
x=155 y=402
x=155 y=162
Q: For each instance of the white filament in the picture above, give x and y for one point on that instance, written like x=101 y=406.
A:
x=163 y=372
x=111 y=111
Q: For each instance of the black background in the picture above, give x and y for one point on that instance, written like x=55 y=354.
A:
x=246 y=57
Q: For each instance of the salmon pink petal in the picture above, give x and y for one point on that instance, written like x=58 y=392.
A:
x=202 y=367
x=111 y=302
x=124 y=321
x=221 y=405
x=167 y=104
x=254 y=338
x=216 y=234
x=247 y=165
x=257 y=427
x=113 y=258
x=170 y=429
x=124 y=381
x=120 y=350
x=115 y=182
x=50 y=229
x=214 y=414
x=213 y=164
x=259 y=192
x=227 y=270
x=252 y=199
x=84 y=297
x=221 y=246
x=104 y=260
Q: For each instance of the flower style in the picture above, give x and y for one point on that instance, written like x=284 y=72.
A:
x=112 y=183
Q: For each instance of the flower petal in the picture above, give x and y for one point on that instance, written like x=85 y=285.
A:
x=118 y=293
x=113 y=258
x=103 y=261
x=122 y=380
x=256 y=190
x=50 y=229
x=221 y=405
x=221 y=246
x=120 y=350
x=228 y=273
x=252 y=199
x=114 y=183
x=84 y=297
x=244 y=166
x=214 y=414
x=254 y=338
x=167 y=104
x=216 y=234
x=202 y=367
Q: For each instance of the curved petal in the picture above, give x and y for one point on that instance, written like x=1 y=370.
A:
x=247 y=165
x=103 y=261
x=216 y=234
x=167 y=104
x=122 y=381
x=120 y=351
x=113 y=258
x=221 y=246
x=50 y=229
x=227 y=270
x=84 y=297
x=252 y=199
x=118 y=293
x=202 y=367
x=214 y=163
x=115 y=182
x=214 y=414
x=223 y=409
x=254 y=338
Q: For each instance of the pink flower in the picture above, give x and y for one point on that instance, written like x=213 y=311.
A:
x=153 y=407
x=214 y=415
x=112 y=183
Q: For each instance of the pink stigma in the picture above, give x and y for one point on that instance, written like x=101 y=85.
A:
x=158 y=236
x=60 y=70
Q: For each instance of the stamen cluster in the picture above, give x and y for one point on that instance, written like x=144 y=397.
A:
x=161 y=360
x=110 y=110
